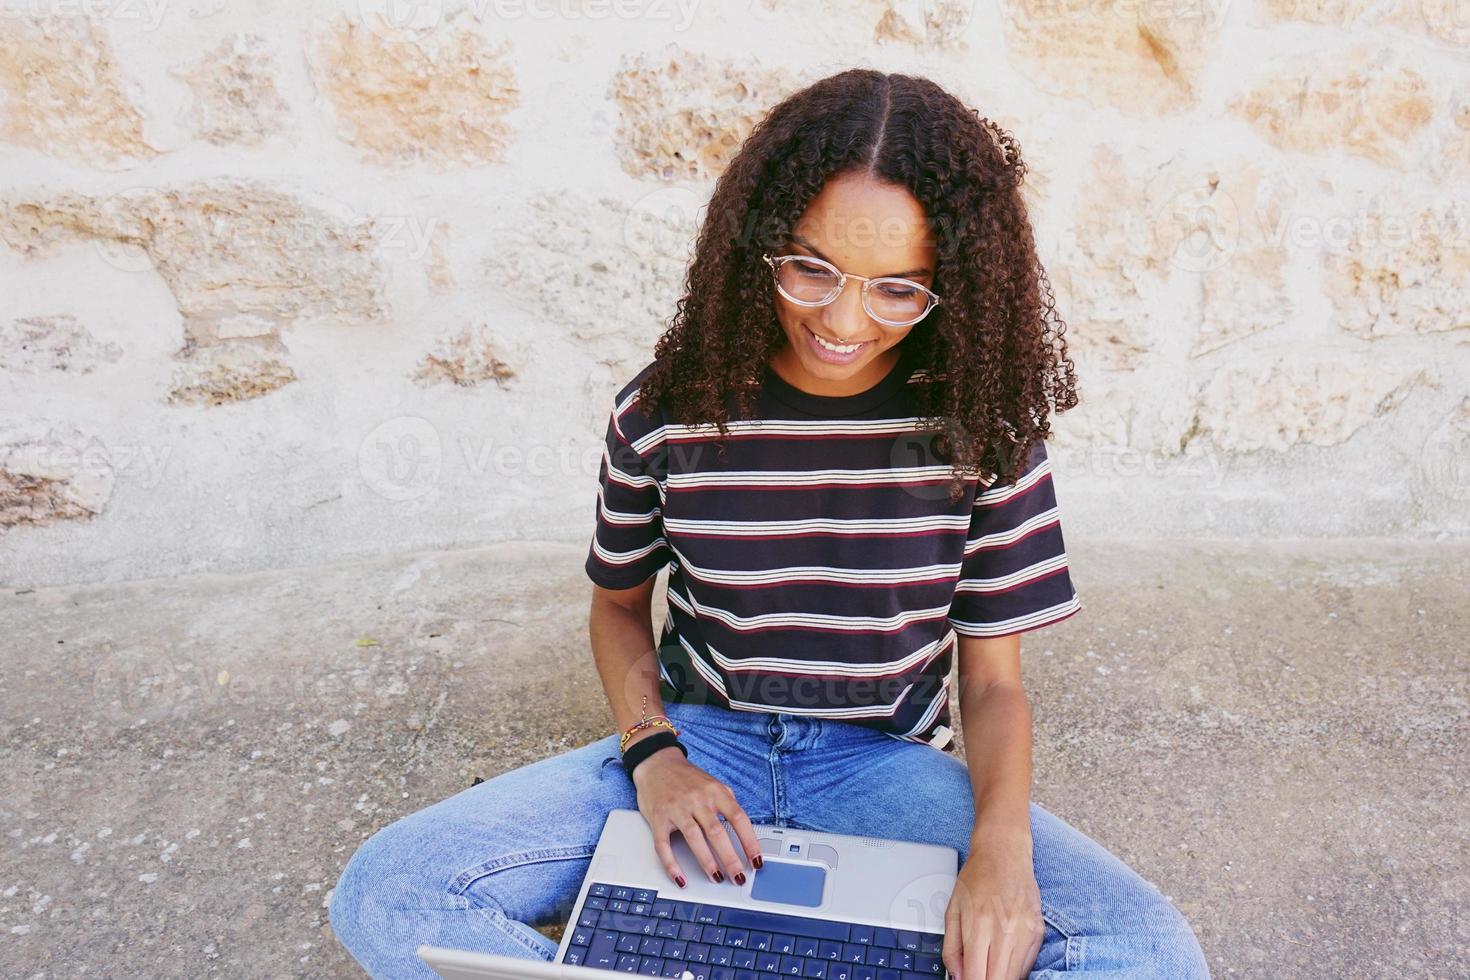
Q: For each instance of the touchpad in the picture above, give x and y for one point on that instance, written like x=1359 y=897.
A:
x=795 y=884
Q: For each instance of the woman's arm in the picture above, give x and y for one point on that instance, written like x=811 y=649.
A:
x=996 y=720
x=620 y=629
x=993 y=926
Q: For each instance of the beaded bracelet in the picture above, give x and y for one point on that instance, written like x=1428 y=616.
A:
x=647 y=721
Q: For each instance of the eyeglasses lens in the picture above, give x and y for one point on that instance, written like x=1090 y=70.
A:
x=895 y=300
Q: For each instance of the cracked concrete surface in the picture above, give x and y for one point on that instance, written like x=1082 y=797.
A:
x=1273 y=733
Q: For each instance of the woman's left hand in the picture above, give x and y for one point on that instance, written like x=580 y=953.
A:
x=993 y=927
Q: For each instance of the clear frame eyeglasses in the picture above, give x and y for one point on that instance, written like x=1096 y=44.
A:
x=809 y=281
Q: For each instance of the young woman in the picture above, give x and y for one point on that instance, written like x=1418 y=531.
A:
x=838 y=452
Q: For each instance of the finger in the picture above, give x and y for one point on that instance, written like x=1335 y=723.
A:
x=694 y=836
x=997 y=961
x=746 y=832
x=719 y=838
x=976 y=952
x=949 y=952
x=666 y=856
x=1027 y=952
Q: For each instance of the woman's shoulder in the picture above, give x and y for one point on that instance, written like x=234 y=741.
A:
x=628 y=408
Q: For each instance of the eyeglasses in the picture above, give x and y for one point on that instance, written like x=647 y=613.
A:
x=809 y=281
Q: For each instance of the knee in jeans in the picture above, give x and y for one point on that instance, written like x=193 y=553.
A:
x=382 y=877
x=1180 y=954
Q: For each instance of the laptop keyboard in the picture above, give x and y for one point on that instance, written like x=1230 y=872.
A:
x=636 y=931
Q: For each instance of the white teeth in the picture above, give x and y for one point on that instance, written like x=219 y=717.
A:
x=835 y=349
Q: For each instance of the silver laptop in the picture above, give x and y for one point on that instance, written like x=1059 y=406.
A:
x=828 y=906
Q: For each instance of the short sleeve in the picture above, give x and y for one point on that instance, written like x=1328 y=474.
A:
x=1014 y=576
x=628 y=546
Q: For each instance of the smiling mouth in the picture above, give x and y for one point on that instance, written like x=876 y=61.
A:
x=838 y=348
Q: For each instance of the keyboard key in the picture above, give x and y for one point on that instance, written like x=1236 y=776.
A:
x=721 y=973
x=684 y=911
x=806 y=946
x=707 y=914
x=815 y=968
x=627 y=962
x=642 y=895
x=768 y=961
x=930 y=943
x=907 y=939
x=744 y=974
x=924 y=963
x=697 y=952
x=902 y=959
x=668 y=929
x=603 y=952
x=581 y=936
x=878 y=955
x=782 y=943
x=795 y=924
x=719 y=955
x=626 y=894
x=854 y=952
x=663 y=910
x=691 y=931
x=700 y=970
x=674 y=949
x=742 y=958
x=861 y=971
x=674 y=969
x=911 y=975
x=790 y=966
x=736 y=937
x=760 y=941
x=628 y=942
x=715 y=935
x=862 y=934
x=829 y=950
x=651 y=966
x=593 y=902
x=883 y=936
x=887 y=974
x=600 y=890
x=839 y=970
x=575 y=955
x=589 y=918
x=651 y=946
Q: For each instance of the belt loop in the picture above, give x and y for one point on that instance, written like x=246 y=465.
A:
x=941 y=737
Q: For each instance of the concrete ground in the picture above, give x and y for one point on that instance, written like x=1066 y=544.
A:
x=1273 y=733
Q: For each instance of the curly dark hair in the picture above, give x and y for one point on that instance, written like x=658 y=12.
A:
x=994 y=349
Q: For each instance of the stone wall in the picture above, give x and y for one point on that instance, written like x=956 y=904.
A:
x=289 y=283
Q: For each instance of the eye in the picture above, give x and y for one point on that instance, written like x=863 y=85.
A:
x=897 y=290
x=811 y=269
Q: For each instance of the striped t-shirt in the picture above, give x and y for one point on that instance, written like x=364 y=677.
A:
x=819 y=567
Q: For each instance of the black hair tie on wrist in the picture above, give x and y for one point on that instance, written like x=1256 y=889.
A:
x=645 y=747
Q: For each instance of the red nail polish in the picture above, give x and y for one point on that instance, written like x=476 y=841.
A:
x=757 y=861
x=740 y=877
x=719 y=875
x=680 y=880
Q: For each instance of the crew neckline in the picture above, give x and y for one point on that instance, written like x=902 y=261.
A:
x=840 y=405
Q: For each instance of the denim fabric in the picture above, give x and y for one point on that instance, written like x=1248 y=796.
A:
x=479 y=869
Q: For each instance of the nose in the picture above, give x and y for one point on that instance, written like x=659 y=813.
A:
x=845 y=317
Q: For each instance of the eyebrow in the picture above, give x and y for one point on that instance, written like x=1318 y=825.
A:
x=910 y=274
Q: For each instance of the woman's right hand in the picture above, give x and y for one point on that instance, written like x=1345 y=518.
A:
x=674 y=794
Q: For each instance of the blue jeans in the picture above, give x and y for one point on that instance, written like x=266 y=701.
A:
x=479 y=869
